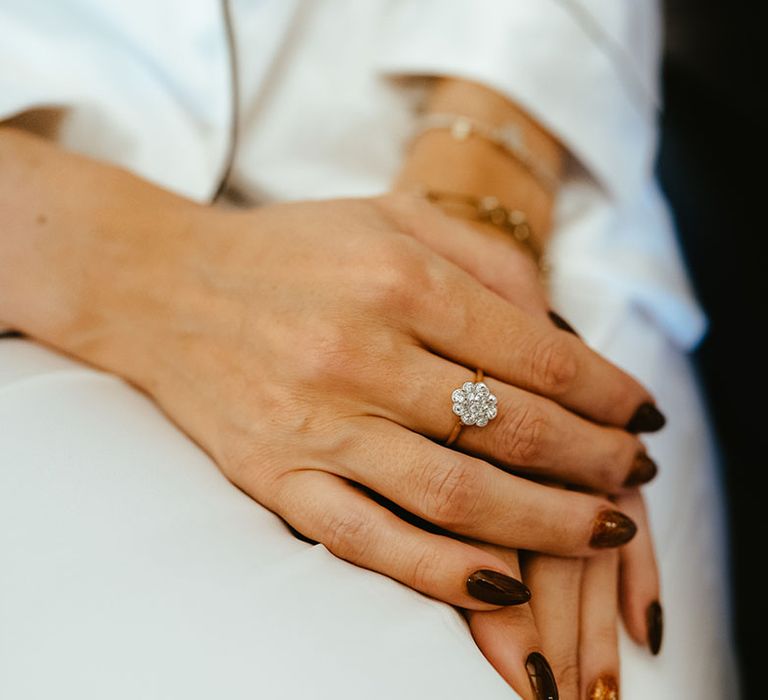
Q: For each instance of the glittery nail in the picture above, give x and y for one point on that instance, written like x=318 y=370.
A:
x=611 y=529
x=604 y=688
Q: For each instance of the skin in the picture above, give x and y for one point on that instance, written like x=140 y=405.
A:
x=575 y=603
x=211 y=314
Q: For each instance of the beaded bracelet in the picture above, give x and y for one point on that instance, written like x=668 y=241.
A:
x=489 y=210
x=508 y=137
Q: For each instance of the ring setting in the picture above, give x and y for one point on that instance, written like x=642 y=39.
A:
x=474 y=404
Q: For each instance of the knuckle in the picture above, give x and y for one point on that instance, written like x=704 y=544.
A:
x=401 y=276
x=348 y=535
x=567 y=673
x=521 y=435
x=325 y=353
x=553 y=365
x=250 y=458
x=424 y=572
x=451 y=494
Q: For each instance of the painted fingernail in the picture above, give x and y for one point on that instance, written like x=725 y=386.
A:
x=643 y=470
x=611 y=529
x=562 y=324
x=604 y=688
x=654 y=618
x=647 y=419
x=497 y=588
x=541 y=677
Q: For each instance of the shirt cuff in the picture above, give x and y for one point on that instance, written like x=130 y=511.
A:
x=541 y=55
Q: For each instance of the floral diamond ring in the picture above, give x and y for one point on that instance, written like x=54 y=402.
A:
x=474 y=404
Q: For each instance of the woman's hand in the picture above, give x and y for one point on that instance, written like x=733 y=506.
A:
x=310 y=348
x=573 y=614
x=565 y=643
x=305 y=368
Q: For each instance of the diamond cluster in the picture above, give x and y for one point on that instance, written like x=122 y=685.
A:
x=474 y=403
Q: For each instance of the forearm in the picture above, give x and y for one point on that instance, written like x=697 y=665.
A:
x=79 y=244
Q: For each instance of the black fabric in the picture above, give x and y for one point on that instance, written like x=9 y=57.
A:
x=713 y=168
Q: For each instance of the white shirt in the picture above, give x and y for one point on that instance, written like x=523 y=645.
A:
x=324 y=112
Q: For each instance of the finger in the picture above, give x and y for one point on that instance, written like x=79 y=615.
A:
x=457 y=317
x=555 y=584
x=639 y=581
x=331 y=511
x=468 y=496
x=485 y=252
x=510 y=641
x=528 y=431
x=598 y=639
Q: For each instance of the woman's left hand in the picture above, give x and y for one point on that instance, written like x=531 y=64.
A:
x=565 y=643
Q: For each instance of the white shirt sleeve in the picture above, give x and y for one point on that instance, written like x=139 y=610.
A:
x=143 y=85
x=586 y=69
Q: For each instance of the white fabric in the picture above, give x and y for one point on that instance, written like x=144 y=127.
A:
x=128 y=566
x=145 y=84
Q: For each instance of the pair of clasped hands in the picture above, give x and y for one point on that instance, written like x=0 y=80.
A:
x=312 y=348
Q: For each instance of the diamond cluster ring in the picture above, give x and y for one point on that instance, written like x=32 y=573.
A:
x=473 y=404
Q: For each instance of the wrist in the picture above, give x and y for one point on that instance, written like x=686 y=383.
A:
x=477 y=166
x=478 y=169
x=492 y=109
x=83 y=249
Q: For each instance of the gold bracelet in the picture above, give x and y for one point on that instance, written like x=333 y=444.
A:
x=489 y=210
x=508 y=137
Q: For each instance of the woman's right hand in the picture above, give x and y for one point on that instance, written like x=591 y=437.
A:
x=312 y=348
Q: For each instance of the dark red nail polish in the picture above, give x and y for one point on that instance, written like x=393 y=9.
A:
x=604 y=688
x=497 y=588
x=647 y=419
x=643 y=470
x=542 y=679
x=562 y=324
x=654 y=618
x=611 y=529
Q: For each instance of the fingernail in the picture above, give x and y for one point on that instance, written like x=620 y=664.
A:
x=654 y=618
x=562 y=324
x=541 y=677
x=647 y=419
x=611 y=529
x=643 y=470
x=604 y=688
x=497 y=588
